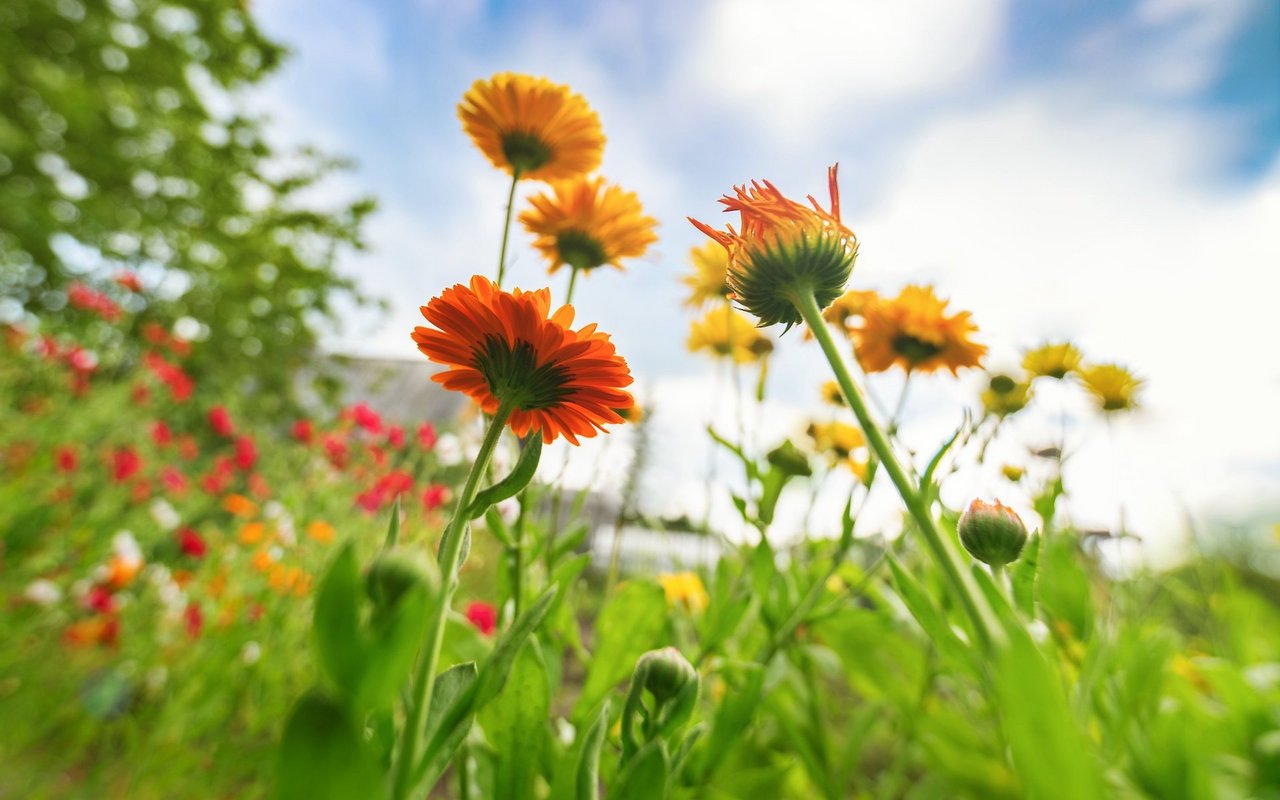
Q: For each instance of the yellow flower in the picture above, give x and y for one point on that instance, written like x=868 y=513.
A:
x=1012 y=472
x=831 y=394
x=851 y=304
x=708 y=283
x=843 y=444
x=913 y=331
x=321 y=531
x=685 y=589
x=587 y=223
x=726 y=333
x=1052 y=360
x=542 y=129
x=1112 y=386
x=1005 y=395
x=634 y=414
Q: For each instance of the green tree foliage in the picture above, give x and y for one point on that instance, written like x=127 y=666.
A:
x=124 y=146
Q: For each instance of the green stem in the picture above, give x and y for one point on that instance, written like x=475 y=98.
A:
x=573 y=281
x=506 y=227
x=517 y=557
x=451 y=548
x=807 y=305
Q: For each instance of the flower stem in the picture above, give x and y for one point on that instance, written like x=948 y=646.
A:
x=506 y=226
x=807 y=305
x=428 y=660
x=573 y=281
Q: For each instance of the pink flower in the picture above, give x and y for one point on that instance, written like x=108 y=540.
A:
x=302 y=431
x=160 y=433
x=434 y=496
x=220 y=421
x=174 y=481
x=395 y=437
x=482 y=615
x=246 y=453
x=426 y=436
x=365 y=417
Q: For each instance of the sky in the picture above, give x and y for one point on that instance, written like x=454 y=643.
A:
x=1101 y=171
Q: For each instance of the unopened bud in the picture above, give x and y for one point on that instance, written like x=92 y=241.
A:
x=392 y=574
x=665 y=672
x=992 y=533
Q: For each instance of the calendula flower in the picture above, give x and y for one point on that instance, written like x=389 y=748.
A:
x=506 y=348
x=1005 y=395
x=832 y=394
x=531 y=127
x=320 y=531
x=849 y=306
x=240 y=506
x=726 y=333
x=914 y=331
x=841 y=443
x=1112 y=386
x=633 y=415
x=685 y=589
x=1054 y=360
x=587 y=223
x=708 y=283
x=784 y=250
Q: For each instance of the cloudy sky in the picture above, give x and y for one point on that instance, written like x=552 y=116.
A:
x=1104 y=171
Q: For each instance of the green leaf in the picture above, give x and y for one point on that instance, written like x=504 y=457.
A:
x=587 y=767
x=323 y=754
x=930 y=617
x=389 y=655
x=337 y=621
x=509 y=486
x=393 y=527
x=493 y=673
x=631 y=623
x=498 y=527
x=1022 y=576
x=645 y=778
x=733 y=717
x=515 y=723
x=451 y=685
x=927 y=487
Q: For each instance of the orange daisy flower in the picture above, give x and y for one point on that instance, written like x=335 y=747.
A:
x=784 y=248
x=542 y=130
x=587 y=223
x=914 y=332
x=507 y=348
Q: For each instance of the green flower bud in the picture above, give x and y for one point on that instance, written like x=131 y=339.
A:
x=396 y=572
x=665 y=672
x=992 y=533
x=788 y=459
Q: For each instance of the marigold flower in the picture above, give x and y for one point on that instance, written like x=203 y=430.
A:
x=321 y=531
x=483 y=616
x=252 y=532
x=685 y=589
x=1114 y=387
x=507 y=348
x=240 y=506
x=1052 y=360
x=587 y=223
x=784 y=250
x=709 y=281
x=531 y=127
x=913 y=331
x=261 y=560
x=726 y=333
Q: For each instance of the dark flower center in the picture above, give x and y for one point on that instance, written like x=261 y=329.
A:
x=915 y=350
x=525 y=151
x=1002 y=384
x=514 y=376
x=580 y=250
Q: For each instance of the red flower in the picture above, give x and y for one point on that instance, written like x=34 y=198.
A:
x=155 y=333
x=434 y=496
x=187 y=447
x=194 y=618
x=246 y=453
x=125 y=463
x=128 y=280
x=67 y=459
x=100 y=599
x=160 y=433
x=365 y=417
x=220 y=421
x=482 y=615
x=395 y=437
x=258 y=486
x=87 y=299
x=426 y=436
x=179 y=383
x=372 y=500
x=174 y=481
x=141 y=491
x=302 y=431
x=192 y=543
x=396 y=482
x=81 y=360
x=140 y=395
x=336 y=449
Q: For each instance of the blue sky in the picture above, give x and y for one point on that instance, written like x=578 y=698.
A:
x=1100 y=170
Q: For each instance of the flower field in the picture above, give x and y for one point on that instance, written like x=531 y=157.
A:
x=224 y=573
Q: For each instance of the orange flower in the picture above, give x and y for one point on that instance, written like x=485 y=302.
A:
x=507 y=348
x=321 y=531
x=914 y=332
x=262 y=560
x=121 y=571
x=240 y=506
x=252 y=532
x=542 y=129
x=282 y=579
x=587 y=223
x=784 y=249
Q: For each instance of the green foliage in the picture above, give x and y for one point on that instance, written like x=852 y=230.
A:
x=629 y=624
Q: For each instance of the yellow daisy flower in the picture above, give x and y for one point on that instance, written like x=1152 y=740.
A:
x=587 y=223
x=832 y=395
x=1052 y=360
x=843 y=444
x=726 y=333
x=531 y=126
x=1112 y=386
x=1005 y=395
x=913 y=331
x=708 y=283
x=685 y=589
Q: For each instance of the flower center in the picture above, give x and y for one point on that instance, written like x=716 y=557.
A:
x=915 y=350
x=580 y=250
x=1002 y=384
x=514 y=376
x=525 y=151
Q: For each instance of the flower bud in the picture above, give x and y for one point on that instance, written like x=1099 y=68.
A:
x=788 y=459
x=992 y=533
x=394 y=573
x=665 y=672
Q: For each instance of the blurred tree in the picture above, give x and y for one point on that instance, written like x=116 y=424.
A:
x=124 y=146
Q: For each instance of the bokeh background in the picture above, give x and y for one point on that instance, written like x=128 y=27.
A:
x=1104 y=172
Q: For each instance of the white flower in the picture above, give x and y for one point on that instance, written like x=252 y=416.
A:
x=448 y=450
x=124 y=545
x=42 y=592
x=285 y=531
x=273 y=509
x=165 y=515
x=250 y=653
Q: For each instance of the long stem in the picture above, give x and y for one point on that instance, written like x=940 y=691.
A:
x=506 y=227
x=573 y=281
x=425 y=678
x=807 y=305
